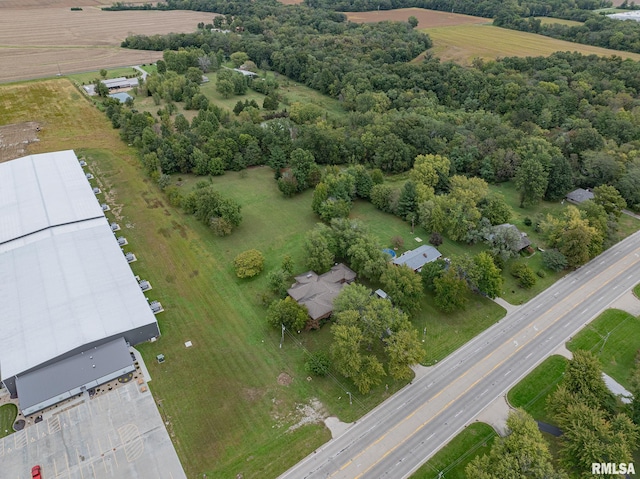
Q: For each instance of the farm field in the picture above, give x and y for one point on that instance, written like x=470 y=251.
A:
x=426 y=18
x=551 y=20
x=38 y=42
x=463 y=43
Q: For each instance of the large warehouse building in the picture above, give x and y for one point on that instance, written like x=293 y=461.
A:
x=69 y=302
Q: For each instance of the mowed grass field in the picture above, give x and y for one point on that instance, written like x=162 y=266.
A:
x=426 y=18
x=221 y=399
x=38 y=42
x=614 y=337
x=463 y=43
x=532 y=391
x=451 y=461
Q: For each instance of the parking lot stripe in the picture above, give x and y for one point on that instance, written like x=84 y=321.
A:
x=54 y=424
x=79 y=463
x=113 y=450
x=20 y=439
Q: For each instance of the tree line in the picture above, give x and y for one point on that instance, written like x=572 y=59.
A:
x=577 y=114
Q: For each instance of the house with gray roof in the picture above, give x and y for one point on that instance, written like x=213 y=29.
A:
x=524 y=242
x=417 y=258
x=580 y=195
x=317 y=292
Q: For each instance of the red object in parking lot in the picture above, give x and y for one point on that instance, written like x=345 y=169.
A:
x=35 y=472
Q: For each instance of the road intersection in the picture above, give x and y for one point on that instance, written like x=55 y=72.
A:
x=399 y=435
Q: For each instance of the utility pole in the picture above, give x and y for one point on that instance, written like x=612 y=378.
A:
x=282 y=338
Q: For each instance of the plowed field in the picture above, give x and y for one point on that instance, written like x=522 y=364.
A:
x=37 y=42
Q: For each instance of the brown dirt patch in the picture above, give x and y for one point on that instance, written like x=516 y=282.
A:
x=426 y=18
x=284 y=379
x=35 y=42
x=15 y=138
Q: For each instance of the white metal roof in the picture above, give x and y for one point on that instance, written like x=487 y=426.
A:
x=40 y=191
x=64 y=286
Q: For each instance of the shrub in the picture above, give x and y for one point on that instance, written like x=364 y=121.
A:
x=317 y=364
x=527 y=221
x=525 y=275
x=397 y=242
x=554 y=260
x=541 y=273
x=435 y=239
x=248 y=263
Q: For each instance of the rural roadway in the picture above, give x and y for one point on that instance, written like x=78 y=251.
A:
x=394 y=439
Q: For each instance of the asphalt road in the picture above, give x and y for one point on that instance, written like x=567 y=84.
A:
x=394 y=439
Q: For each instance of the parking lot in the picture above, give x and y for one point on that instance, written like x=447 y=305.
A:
x=119 y=434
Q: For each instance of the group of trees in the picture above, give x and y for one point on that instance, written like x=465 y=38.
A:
x=595 y=429
x=214 y=210
x=451 y=280
x=369 y=333
x=580 y=233
x=550 y=123
x=347 y=240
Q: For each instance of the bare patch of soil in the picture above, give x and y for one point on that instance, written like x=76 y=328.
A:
x=284 y=379
x=311 y=413
x=15 y=138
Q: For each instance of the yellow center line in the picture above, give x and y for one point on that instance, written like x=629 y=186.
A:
x=381 y=438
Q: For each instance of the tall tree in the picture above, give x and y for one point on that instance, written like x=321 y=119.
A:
x=404 y=287
x=408 y=201
x=319 y=246
x=404 y=350
x=486 y=275
x=288 y=313
x=523 y=453
x=531 y=182
x=610 y=199
x=450 y=291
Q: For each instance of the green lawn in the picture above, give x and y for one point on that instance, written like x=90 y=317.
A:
x=89 y=77
x=8 y=414
x=532 y=391
x=614 y=338
x=475 y=440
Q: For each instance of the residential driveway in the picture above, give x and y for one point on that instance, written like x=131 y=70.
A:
x=119 y=435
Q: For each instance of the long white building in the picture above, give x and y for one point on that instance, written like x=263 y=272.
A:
x=69 y=302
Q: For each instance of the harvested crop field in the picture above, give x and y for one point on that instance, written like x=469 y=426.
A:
x=37 y=42
x=463 y=43
x=426 y=18
x=551 y=20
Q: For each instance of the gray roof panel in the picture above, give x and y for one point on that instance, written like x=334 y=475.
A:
x=41 y=191
x=87 y=368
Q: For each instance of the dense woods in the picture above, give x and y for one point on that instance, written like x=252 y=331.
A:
x=577 y=116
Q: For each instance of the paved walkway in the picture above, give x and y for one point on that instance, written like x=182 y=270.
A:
x=629 y=303
x=508 y=306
